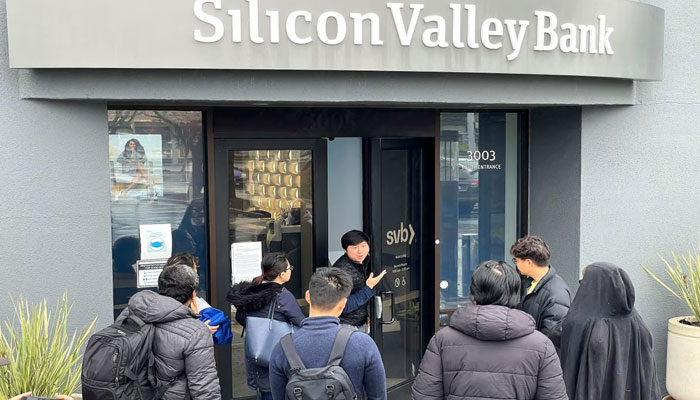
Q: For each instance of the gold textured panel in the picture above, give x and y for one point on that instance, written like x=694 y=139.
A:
x=276 y=179
x=282 y=167
x=294 y=167
x=297 y=181
x=261 y=190
x=265 y=178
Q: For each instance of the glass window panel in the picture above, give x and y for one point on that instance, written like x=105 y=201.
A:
x=271 y=201
x=156 y=163
x=479 y=179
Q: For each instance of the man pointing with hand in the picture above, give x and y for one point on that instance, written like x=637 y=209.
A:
x=355 y=262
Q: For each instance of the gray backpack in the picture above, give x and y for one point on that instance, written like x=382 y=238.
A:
x=326 y=383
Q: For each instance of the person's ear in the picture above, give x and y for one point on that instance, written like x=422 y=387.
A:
x=341 y=304
x=307 y=296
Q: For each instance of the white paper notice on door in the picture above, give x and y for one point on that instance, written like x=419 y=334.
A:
x=156 y=241
x=245 y=261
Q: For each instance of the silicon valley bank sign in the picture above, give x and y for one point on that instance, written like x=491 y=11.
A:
x=331 y=28
x=597 y=38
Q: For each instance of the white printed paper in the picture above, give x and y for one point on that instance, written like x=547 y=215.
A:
x=148 y=272
x=245 y=261
x=156 y=241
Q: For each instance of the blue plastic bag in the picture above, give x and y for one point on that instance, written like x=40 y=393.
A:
x=223 y=335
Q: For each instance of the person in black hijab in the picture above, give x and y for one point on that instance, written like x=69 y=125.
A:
x=606 y=348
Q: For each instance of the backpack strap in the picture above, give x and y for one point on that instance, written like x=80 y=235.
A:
x=138 y=321
x=341 y=342
x=290 y=351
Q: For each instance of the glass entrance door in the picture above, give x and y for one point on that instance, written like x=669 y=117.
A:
x=400 y=174
x=270 y=197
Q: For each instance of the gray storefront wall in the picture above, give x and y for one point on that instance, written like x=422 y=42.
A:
x=613 y=163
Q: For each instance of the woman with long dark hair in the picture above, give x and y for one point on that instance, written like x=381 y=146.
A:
x=133 y=160
x=254 y=299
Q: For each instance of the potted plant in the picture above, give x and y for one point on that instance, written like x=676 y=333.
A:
x=44 y=358
x=683 y=351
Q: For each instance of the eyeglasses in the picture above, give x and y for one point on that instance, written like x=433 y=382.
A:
x=515 y=263
x=290 y=268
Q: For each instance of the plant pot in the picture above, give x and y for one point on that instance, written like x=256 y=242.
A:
x=683 y=359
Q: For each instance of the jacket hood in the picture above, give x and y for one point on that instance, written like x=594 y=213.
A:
x=153 y=308
x=606 y=290
x=492 y=322
x=249 y=297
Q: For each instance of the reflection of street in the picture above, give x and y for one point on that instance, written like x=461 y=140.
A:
x=469 y=225
x=128 y=213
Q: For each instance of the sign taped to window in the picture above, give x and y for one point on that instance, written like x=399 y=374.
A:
x=245 y=261
x=148 y=272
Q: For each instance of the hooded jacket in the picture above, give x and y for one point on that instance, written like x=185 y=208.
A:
x=606 y=348
x=255 y=301
x=489 y=352
x=548 y=303
x=182 y=346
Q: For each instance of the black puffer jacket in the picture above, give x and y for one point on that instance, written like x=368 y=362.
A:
x=490 y=352
x=254 y=301
x=549 y=303
x=359 y=274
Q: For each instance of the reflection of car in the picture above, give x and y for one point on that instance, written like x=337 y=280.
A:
x=468 y=189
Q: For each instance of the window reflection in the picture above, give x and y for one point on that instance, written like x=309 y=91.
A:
x=479 y=187
x=156 y=161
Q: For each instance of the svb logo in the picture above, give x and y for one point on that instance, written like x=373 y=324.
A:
x=401 y=235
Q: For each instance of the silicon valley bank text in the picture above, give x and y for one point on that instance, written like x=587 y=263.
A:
x=410 y=24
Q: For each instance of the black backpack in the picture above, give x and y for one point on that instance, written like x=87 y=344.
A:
x=118 y=363
x=326 y=383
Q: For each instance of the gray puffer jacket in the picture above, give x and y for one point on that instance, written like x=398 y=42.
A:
x=182 y=346
x=490 y=352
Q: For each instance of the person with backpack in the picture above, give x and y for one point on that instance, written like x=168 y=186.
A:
x=156 y=349
x=265 y=297
x=490 y=350
x=323 y=360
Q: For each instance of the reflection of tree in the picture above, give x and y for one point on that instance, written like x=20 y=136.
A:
x=184 y=127
x=123 y=119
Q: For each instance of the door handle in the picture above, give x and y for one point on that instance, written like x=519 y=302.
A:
x=393 y=308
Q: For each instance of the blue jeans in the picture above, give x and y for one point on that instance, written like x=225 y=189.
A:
x=264 y=395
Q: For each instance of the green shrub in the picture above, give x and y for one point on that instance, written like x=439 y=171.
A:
x=685 y=274
x=44 y=358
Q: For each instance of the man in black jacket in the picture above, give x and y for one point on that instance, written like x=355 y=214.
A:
x=355 y=262
x=544 y=293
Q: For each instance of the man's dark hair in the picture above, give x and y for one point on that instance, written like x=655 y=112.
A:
x=532 y=248
x=495 y=282
x=352 y=238
x=328 y=286
x=183 y=258
x=178 y=282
